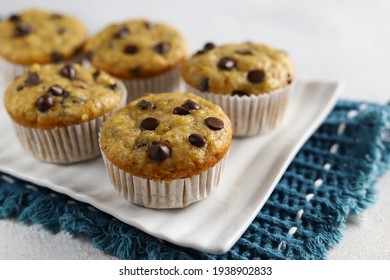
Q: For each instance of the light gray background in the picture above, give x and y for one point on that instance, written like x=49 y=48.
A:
x=337 y=40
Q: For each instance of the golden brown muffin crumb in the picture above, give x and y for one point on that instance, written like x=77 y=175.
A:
x=167 y=136
x=238 y=69
x=37 y=36
x=55 y=95
x=137 y=49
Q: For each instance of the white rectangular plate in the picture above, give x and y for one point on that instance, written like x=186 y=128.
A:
x=213 y=225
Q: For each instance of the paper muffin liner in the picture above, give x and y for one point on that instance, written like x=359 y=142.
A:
x=254 y=114
x=169 y=81
x=178 y=193
x=66 y=144
x=10 y=71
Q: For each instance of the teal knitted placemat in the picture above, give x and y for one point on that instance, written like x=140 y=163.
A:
x=332 y=176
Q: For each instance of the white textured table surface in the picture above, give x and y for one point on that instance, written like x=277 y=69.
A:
x=338 y=40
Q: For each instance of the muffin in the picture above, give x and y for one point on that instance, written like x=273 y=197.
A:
x=58 y=109
x=251 y=82
x=145 y=55
x=38 y=36
x=166 y=150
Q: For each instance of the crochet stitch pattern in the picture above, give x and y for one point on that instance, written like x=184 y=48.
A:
x=332 y=176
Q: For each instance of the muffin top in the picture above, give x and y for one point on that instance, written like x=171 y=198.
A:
x=36 y=36
x=137 y=49
x=238 y=69
x=55 y=95
x=166 y=136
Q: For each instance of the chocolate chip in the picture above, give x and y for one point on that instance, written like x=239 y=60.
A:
x=32 y=80
x=130 y=49
x=146 y=105
x=23 y=29
x=78 y=50
x=136 y=72
x=204 y=84
x=68 y=71
x=256 y=76
x=56 y=90
x=240 y=93
x=96 y=74
x=56 y=56
x=244 y=52
x=181 y=111
x=214 y=123
x=289 y=78
x=159 y=152
x=89 y=55
x=199 y=52
x=65 y=94
x=14 y=18
x=149 y=124
x=113 y=86
x=122 y=33
x=56 y=16
x=209 y=46
x=149 y=25
x=45 y=102
x=19 y=87
x=190 y=105
x=61 y=30
x=197 y=140
x=226 y=63
x=161 y=48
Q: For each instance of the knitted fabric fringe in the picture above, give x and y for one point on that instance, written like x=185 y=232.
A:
x=332 y=176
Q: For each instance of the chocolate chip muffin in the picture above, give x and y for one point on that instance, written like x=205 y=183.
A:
x=146 y=55
x=166 y=150
x=251 y=82
x=58 y=109
x=38 y=36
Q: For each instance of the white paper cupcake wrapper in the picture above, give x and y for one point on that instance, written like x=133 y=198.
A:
x=178 y=193
x=66 y=144
x=251 y=115
x=10 y=71
x=169 y=81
